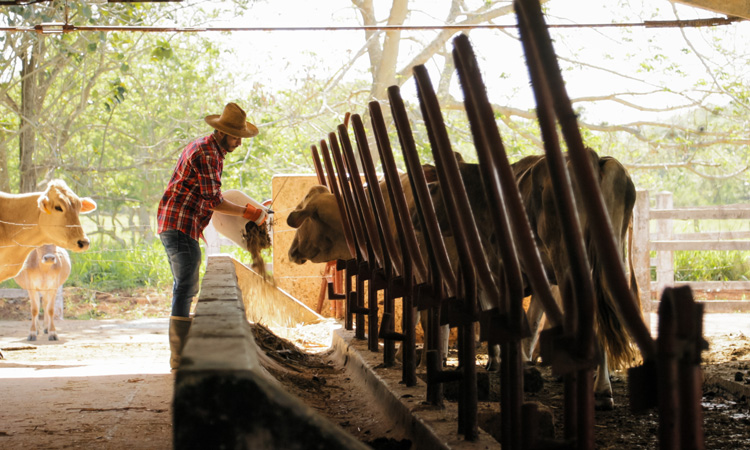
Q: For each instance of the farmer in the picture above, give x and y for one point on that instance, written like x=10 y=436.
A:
x=191 y=197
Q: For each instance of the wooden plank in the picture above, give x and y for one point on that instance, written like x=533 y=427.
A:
x=709 y=236
x=717 y=306
x=13 y=293
x=739 y=8
x=641 y=257
x=720 y=213
x=712 y=285
x=675 y=245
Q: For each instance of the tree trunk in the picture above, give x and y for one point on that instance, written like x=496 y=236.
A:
x=384 y=74
x=4 y=175
x=27 y=135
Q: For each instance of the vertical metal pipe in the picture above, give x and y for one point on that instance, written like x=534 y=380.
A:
x=350 y=265
x=318 y=167
x=669 y=433
x=414 y=271
x=586 y=178
x=689 y=330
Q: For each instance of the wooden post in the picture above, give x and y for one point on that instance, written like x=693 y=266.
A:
x=664 y=258
x=641 y=252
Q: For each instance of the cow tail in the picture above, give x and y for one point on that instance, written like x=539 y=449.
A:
x=613 y=335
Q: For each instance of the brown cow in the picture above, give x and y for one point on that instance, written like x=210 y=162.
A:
x=30 y=220
x=45 y=270
x=535 y=186
x=314 y=238
x=320 y=234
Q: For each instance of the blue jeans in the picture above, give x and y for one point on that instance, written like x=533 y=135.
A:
x=184 y=254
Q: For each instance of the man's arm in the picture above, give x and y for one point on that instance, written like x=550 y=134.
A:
x=248 y=211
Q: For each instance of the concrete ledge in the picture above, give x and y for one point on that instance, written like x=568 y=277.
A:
x=430 y=427
x=224 y=398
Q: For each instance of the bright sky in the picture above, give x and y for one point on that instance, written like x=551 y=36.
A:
x=280 y=55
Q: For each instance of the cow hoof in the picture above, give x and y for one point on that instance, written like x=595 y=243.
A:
x=52 y=337
x=604 y=402
x=32 y=337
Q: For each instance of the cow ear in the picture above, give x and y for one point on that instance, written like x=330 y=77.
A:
x=296 y=218
x=43 y=203
x=430 y=172
x=87 y=205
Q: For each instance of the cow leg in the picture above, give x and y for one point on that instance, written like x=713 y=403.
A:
x=417 y=321
x=444 y=331
x=603 y=399
x=534 y=314
x=49 y=314
x=34 y=304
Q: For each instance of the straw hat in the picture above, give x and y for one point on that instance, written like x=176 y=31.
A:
x=233 y=121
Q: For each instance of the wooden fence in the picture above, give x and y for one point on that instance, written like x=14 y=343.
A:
x=665 y=242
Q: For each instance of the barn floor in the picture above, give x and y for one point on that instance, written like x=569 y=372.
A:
x=107 y=384
x=104 y=384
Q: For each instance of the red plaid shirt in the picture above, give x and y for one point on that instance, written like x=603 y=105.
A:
x=194 y=190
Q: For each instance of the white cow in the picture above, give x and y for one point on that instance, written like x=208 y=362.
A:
x=45 y=270
x=30 y=220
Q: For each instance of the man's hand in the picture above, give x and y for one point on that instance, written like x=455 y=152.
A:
x=252 y=213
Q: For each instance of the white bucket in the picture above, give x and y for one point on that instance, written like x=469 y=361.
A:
x=232 y=227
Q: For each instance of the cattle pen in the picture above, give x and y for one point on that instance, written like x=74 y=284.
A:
x=228 y=392
x=667 y=382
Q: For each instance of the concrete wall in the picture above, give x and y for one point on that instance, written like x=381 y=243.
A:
x=223 y=396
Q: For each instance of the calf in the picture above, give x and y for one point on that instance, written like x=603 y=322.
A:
x=30 y=220
x=45 y=270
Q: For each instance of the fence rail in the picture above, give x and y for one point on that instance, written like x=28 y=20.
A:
x=665 y=242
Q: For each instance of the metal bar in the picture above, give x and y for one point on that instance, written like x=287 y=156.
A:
x=374 y=245
x=376 y=195
x=443 y=280
x=350 y=265
x=583 y=303
x=355 y=303
x=415 y=271
x=584 y=298
x=689 y=330
x=346 y=192
x=497 y=171
x=334 y=187
x=391 y=253
x=318 y=167
x=669 y=432
x=361 y=201
x=692 y=23
x=473 y=264
x=435 y=245
x=457 y=204
x=587 y=180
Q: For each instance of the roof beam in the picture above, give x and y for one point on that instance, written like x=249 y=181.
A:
x=738 y=8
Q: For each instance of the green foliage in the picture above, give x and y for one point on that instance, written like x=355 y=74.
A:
x=144 y=265
x=712 y=266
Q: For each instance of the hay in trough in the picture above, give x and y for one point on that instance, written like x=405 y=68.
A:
x=256 y=239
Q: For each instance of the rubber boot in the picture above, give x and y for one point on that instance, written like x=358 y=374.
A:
x=178 y=331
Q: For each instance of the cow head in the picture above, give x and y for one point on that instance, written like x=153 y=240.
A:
x=58 y=217
x=47 y=254
x=320 y=233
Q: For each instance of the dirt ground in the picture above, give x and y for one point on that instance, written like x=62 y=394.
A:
x=316 y=380
x=106 y=384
